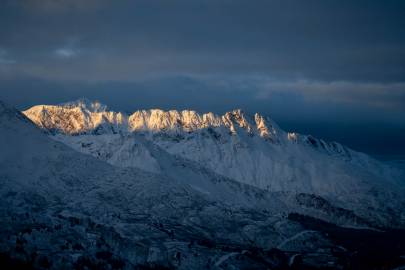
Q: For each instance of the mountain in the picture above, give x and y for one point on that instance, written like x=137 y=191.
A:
x=252 y=150
x=62 y=208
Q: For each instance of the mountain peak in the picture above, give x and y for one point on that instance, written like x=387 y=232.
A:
x=84 y=116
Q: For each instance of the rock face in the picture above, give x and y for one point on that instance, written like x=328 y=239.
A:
x=83 y=116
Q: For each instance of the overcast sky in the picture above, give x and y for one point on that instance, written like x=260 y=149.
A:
x=335 y=69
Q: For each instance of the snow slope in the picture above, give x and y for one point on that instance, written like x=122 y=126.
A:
x=251 y=150
x=63 y=208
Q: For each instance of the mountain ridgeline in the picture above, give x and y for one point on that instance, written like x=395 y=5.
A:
x=86 y=117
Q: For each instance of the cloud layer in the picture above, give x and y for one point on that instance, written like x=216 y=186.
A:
x=315 y=40
x=298 y=60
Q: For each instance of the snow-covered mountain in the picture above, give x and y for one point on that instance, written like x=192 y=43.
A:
x=62 y=208
x=250 y=149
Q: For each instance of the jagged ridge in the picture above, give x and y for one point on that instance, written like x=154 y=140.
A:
x=87 y=117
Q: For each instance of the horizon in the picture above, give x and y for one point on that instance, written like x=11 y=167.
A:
x=250 y=114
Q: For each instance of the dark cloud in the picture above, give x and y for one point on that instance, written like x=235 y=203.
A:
x=56 y=6
x=304 y=62
x=318 y=40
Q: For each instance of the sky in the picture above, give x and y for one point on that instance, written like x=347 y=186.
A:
x=331 y=68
